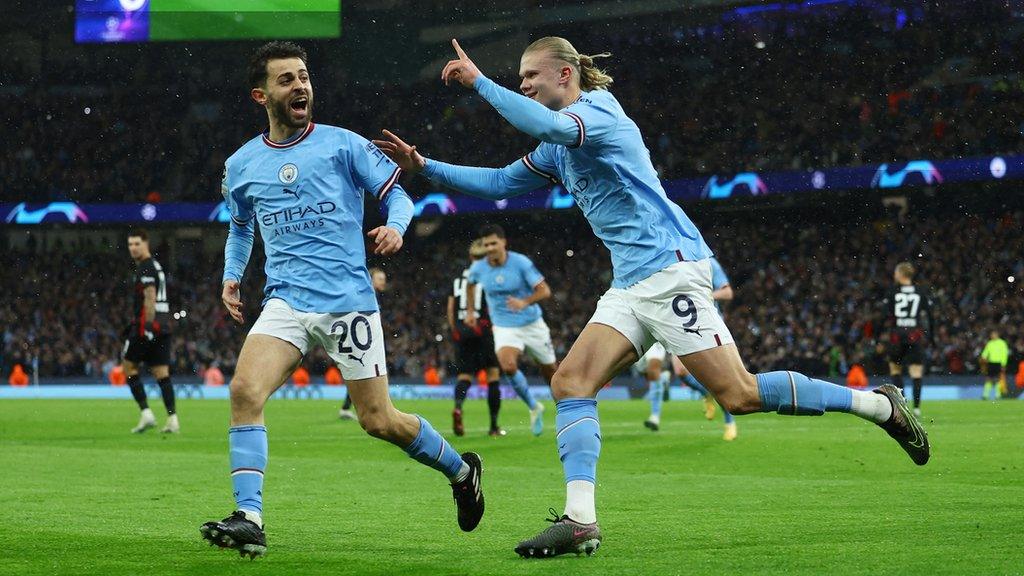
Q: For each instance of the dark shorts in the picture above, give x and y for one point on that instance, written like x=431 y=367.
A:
x=155 y=352
x=995 y=370
x=906 y=349
x=475 y=354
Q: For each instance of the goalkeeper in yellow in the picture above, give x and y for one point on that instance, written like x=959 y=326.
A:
x=993 y=364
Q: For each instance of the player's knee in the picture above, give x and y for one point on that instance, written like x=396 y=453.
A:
x=567 y=382
x=245 y=394
x=741 y=397
x=509 y=368
x=376 y=423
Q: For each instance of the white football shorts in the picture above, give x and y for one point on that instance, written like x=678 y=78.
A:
x=673 y=307
x=534 y=339
x=354 y=340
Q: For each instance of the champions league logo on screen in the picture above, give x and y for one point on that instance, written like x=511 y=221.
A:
x=922 y=168
x=53 y=212
x=747 y=182
x=440 y=202
x=220 y=213
x=111 y=20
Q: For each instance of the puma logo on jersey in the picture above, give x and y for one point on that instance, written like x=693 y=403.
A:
x=692 y=330
x=358 y=358
x=292 y=192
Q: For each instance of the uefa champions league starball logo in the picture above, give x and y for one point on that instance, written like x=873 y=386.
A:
x=288 y=173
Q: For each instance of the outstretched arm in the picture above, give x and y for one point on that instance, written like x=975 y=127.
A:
x=488 y=183
x=526 y=114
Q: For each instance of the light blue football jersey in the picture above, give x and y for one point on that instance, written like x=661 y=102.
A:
x=306 y=196
x=597 y=153
x=517 y=277
x=611 y=178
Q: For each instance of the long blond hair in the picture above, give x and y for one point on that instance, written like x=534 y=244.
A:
x=591 y=77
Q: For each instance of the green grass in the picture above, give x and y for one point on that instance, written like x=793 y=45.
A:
x=829 y=495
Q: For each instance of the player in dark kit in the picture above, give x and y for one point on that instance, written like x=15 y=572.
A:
x=147 y=338
x=474 y=346
x=910 y=310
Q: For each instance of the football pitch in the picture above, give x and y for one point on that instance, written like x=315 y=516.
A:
x=831 y=495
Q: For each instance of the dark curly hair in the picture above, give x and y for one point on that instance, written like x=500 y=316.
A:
x=271 y=51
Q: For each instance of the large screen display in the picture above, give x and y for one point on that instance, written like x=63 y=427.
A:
x=106 y=21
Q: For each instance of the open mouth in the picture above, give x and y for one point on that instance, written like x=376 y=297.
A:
x=300 y=104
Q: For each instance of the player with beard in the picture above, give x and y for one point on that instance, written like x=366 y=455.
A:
x=304 y=185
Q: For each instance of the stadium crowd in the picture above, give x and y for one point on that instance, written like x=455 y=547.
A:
x=808 y=295
x=710 y=99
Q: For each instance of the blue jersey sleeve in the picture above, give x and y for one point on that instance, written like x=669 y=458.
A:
x=530 y=116
x=241 y=229
x=238 y=205
x=371 y=168
x=542 y=162
x=718 y=277
x=400 y=209
x=473 y=274
x=597 y=114
x=488 y=183
x=529 y=271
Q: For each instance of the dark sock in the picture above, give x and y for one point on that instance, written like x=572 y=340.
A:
x=138 y=391
x=897 y=381
x=917 y=392
x=461 y=389
x=167 y=391
x=348 y=402
x=494 y=401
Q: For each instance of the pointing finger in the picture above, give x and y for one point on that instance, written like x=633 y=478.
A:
x=459 y=50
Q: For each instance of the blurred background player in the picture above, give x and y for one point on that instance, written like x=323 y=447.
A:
x=148 y=338
x=910 y=306
x=305 y=185
x=474 y=346
x=721 y=292
x=379 y=279
x=994 y=358
x=513 y=287
x=651 y=367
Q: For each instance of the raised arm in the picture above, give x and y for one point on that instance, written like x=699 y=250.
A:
x=527 y=115
x=488 y=183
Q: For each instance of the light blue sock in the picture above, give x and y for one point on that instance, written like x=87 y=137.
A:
x=656 y=389
x=248 y=448
x=578 y=438
x=431 y=449
x=793 y=394
x=692 y=382
x=518 y=383
x=729 y=418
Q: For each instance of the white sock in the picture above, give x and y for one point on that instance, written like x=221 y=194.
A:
x=253 y=517
x=579 y=501
x=461 y=475
x=871 y=406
